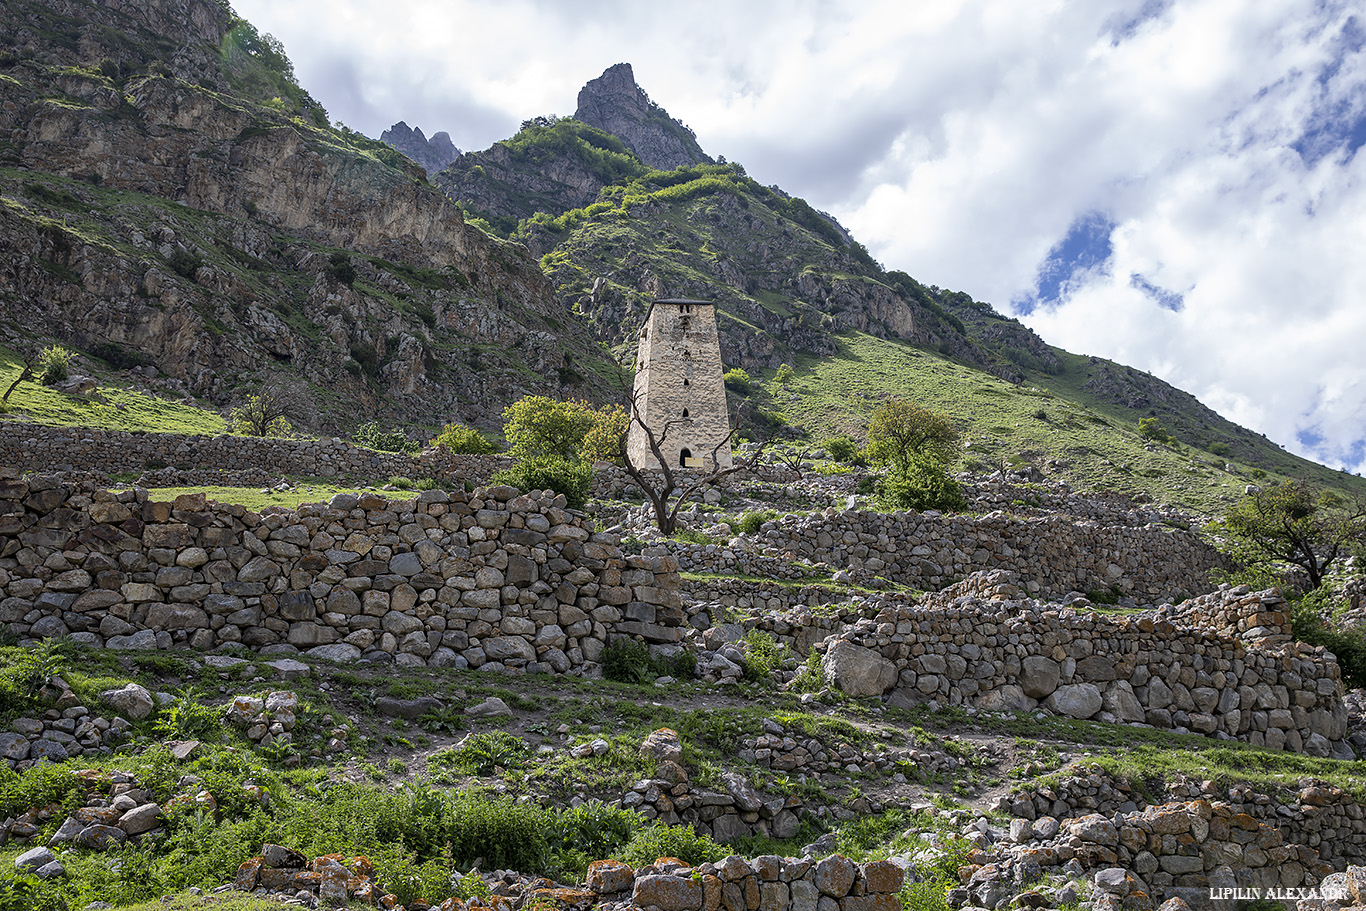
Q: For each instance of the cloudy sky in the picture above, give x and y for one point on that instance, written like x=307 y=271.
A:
x=1173 y=184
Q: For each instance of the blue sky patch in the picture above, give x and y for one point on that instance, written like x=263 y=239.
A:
x=1085 y=247
x=1168 y=300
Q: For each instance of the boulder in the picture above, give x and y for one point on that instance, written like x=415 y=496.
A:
x=131 y=700
x=1076 y=700
x=856 y=670
x=1039 y=676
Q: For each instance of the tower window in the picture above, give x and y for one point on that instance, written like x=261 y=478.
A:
x=685 y=412
x=685 y=381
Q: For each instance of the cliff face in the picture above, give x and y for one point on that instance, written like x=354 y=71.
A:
x=169 y=188
x=615 y=104
x=433 y=154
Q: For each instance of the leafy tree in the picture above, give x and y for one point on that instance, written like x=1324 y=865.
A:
x=539 y=426
x=266 y=413
x=907 y=437
x=1152 y=429
x=601 y=443
x=1298 y=523
x=785 y=374
x=462 y=440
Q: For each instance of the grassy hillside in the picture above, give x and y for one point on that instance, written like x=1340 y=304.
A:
x=1051 y=421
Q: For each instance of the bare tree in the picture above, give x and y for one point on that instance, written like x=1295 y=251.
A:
x=794 y=457
x=26 y=374
x=668 y=493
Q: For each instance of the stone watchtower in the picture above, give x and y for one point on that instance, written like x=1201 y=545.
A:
x=679 y=391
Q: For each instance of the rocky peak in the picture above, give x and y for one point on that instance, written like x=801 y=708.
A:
x=433 y=154
x=615 y=104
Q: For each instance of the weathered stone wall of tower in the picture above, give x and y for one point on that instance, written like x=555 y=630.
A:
x=679 y=390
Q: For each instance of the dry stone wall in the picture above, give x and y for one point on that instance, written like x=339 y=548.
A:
x=33 y=447
x=1053 y=555
x=1315 y=814
x=494 y=578
x=1016 y=654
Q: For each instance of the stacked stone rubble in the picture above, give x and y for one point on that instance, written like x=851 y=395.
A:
x=766 y=883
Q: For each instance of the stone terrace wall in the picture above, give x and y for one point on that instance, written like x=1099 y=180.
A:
x=493 y=578
x=34 y=447
x=1016 y=654
x=1328 y=819
x=1053 y=554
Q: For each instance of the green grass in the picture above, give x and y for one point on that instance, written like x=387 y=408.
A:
x=258 y=498
x=109 y=407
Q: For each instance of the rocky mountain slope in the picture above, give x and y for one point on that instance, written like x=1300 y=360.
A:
x=433 y=154
x=169 y=190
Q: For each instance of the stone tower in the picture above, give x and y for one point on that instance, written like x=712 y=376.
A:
x=679 y=391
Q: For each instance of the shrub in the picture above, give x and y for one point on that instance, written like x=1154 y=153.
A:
x=626 y=661
x=924 y=486
x=340 y=269
x=749 y=522
x=841 y=448
x=482 y=753
x=54 y=365
x=539 y=426
x=462 y=440
x=1349 y=645
x=1219 y=449
x=188 y=719
x=591 y=831
x=370 y=436
x=651 y=843
x=570 y=477
x=738 y=381
x=762 y=655
x=604 y=438
x=185 y=264
x=784 y=374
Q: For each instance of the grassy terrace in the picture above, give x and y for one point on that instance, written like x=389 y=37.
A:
x=110 y=407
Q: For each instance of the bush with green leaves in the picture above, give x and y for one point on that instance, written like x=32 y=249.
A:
x=1152 y=429
x=54 y=365
x=840 y=448
x=462 y=440
x=186 y=718
x=784 y=374
x=1348 y=644
x=749 y=522
x=340 y=268
x=570 y=477
x=626 y=660
x=738 y=381
x=371 y=436
x=591 y=831
x=923 y=486
x=482 y=753
x=656 y=841
x=763 y=654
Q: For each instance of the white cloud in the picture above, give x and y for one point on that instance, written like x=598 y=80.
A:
x=960 y=140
